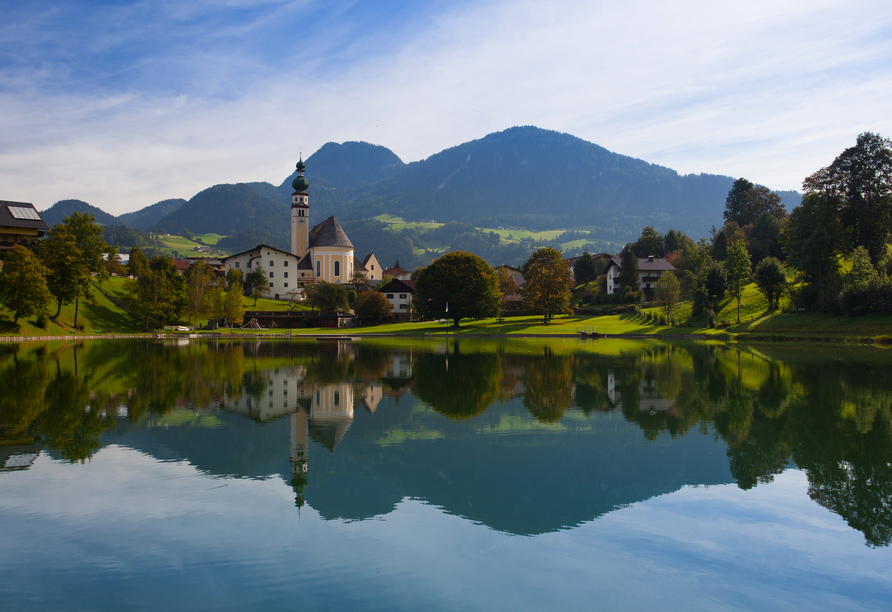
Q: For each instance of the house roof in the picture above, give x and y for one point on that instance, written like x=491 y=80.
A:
x=329 y=234
x=368 y=257
x=395 y=271
x=259 y=247
x=645 y=264
x=21 y=214
x=398 y=286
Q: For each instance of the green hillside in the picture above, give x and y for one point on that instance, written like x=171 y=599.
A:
x=63 y=208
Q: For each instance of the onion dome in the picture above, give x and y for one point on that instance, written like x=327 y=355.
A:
x=299 y=183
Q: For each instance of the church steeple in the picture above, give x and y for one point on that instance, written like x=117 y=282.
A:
x=300 y=212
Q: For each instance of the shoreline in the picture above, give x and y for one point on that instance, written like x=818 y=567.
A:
x=347 y=336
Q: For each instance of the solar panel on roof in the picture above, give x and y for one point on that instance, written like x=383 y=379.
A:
x=20 y=212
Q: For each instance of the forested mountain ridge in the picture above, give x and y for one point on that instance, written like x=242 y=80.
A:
x=145 y=218
x=63 y=208
x=538 y=179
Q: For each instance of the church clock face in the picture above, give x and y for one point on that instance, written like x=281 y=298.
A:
x=300 y=221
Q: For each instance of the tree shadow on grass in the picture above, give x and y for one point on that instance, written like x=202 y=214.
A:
x=105 y=319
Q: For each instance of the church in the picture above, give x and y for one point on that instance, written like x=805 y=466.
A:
x=322 y=253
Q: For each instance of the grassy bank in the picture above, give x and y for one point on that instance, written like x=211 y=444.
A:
x=106 y=315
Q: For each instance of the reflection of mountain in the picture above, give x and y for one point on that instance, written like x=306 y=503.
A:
x=533 y=481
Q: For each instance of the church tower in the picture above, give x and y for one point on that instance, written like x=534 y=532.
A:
x=300 y=212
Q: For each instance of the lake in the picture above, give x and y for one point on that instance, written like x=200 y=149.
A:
x=444 y=475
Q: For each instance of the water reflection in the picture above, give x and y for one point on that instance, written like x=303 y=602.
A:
x=524 y=436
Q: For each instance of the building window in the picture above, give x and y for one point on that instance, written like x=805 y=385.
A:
x=302 y=274
x=249 y=264
x=373 y=267
x=337 y=270
x=286 y=285
x=389 y=296
x=271 y=274
x=337 y=398
x=271 y=285
x=286 y=275
x=236 y=264
x=271 y=262
x=318 y=268
x=402 y=296
x=286 y=263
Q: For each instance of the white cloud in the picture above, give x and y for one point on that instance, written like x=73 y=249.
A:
x=772 y=92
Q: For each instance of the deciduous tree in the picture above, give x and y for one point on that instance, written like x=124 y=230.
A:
x=738 y=266
x=457 y=286
x=771 y=280
x=858 y=185
x=372 y=306
x=23 y=281
x=328 y=297
x=746 y=202
x=666 y=292
x=547 y=285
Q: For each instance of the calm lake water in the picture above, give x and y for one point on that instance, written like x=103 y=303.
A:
x=525 y=475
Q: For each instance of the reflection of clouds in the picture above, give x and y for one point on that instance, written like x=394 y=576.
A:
x=697 y=548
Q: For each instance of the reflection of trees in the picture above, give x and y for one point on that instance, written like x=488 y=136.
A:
x=72 y=424
x=548 y=382
x=463 y=390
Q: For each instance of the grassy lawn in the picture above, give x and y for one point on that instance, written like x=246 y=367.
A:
x=186 y=247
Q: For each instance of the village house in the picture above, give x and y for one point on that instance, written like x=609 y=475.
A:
x=19 y=221
x=650 y=269
x=400 y=294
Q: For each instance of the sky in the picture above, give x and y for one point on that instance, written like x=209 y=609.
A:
x=126 y=103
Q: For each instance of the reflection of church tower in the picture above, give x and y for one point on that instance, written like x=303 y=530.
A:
x=299 y=434
x=300 y=213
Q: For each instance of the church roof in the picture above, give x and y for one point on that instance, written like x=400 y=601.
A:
x=329 y=234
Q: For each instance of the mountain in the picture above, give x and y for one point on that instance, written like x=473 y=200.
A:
x=145 y=218
x=63 y=208
x=348 y=166
x=523 y=176
x=228 y=210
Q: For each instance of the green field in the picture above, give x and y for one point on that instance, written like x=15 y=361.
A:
x=506 y=236
x=185 y=247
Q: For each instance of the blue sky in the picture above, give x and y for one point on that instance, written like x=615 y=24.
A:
x=123 y=104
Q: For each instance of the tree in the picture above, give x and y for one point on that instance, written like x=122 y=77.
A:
x=198 y=284
x=159 y=294
x=858 y=186
x=585 y=269
x=256 y=283
x=813 y=238
x=23 y=280
x=547 y=285
x=68 y=278
x=138 y=263
x=746 y=202
x=771 y=280
x=372 y=305
x=234 y=307
x=328 y=297
x=738 y=266
x=666 y=291
x=234 y=280
x=765 y=238
x=457 y=286
x=629 y=274
x=720 y=247
x=650 y=243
